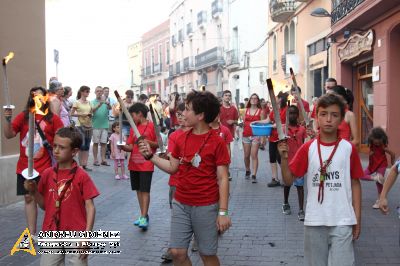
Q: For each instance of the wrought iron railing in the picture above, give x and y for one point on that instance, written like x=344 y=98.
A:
x=232 y=57
x=281 y=10
x=342 y=9
x=210 y=57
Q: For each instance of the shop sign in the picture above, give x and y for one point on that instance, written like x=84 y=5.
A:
x=317 y=61
x=356 y=45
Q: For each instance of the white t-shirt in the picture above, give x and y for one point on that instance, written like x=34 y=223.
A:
x=336 y=208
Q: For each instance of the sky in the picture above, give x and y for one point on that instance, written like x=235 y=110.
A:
x=92 y=37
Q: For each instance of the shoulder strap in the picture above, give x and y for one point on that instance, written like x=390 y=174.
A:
x=46 y=144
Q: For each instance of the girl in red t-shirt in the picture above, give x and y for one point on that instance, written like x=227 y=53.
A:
x=251 y=143
x=378 y=145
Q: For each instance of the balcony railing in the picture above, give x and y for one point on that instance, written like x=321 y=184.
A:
x=189 y=29
x=201 y=18
x=173 y=40
x=157 y=68
x=188 y=64
x=282 y=10
x=210 y=57
x=147 y=71
x=343 y=9
x=171 y=71
x=216 y=8
x=180 y=35
x=178 y=68
x=232 y=58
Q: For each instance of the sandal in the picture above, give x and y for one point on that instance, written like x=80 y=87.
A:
x=96 y=164
x=105 y=163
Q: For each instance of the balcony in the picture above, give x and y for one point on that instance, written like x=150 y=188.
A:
x=201 y=19
x=189 y=30
x=171 y=71
x=188 y=64
x=232 y=59
x=173 y=41
x=216 y=8
x=146 y=71
x=180 y=35
x=281 y=10
x=157 y=68
x=178 y=68
x=210 y=57
x=343 y=9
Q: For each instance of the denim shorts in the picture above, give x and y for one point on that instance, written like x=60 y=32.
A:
x=251 y=140
x=299 y=182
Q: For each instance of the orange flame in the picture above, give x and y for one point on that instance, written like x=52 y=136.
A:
x=39 y=101
x=8 y=58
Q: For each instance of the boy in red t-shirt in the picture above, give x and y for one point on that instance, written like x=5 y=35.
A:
x=297 y=135
x=200 y=205
x=332 y=167
x=65 y=192
x=141 y=170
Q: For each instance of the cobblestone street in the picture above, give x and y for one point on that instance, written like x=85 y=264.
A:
x=260 y=235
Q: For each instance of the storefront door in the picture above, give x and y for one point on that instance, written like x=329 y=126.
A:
x=365 y=104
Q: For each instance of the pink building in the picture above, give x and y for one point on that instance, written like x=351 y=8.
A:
x=155 y=56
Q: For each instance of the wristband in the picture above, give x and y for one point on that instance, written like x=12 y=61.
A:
x=223 y=213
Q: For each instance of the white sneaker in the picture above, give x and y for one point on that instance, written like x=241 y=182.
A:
x=376 y=205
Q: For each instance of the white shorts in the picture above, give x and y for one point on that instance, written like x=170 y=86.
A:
x=100 y=135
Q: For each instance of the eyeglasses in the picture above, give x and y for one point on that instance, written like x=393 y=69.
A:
x=179 y=115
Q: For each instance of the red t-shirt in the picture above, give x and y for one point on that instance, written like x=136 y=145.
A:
x=228 y=113
x=198 y=186
x=224 y=133
x=72 y=207
x=173 y=118
x=173 y=138
x=274 y=134
x=136 y=161
x=41 y=158
x=377 y=158
x=344 y=130
x=248 y=118
x=296 y=134
x=305 y=104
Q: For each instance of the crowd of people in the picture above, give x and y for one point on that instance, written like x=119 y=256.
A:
x=198 y=132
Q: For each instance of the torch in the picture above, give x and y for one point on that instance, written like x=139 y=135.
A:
x=157 y=130
x=6 y=91
x=30 y=173
x=121 y=140
x=298 y=98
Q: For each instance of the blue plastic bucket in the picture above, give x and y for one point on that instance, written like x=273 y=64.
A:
x=261 y=129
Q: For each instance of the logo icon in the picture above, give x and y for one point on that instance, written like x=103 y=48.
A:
x=24 y=243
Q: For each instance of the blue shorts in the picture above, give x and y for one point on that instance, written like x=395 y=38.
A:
x=298 y=182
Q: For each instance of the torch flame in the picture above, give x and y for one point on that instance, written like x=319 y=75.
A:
x=8 y=58
x=39 y=101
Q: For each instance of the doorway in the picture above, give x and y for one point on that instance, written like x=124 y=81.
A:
x=365 y=106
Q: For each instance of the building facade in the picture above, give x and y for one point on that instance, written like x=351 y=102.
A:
x=367 y=57
x=199 y=37
x=135 y=66
x=299 y=41
x=156 y=60
x=246 y=58
x=19 y=20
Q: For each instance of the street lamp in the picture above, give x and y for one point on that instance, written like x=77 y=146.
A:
x=320 y=12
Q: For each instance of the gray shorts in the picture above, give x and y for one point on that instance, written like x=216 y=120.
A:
x=328 y=245
x=100 y=135
x=200 y=220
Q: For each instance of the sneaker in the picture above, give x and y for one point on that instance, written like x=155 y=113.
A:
x=137 y=222
x=253 y=179
x=247 y=175
x=286 y=209
x=376 y=205
x=301 y=215
x=166 y=257
x=274 y=183
x=143 y=223
x=125 y=177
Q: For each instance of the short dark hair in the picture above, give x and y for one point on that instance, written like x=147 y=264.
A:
x=71 y=133
x=129 y=93
x=226 y=91
x=331 y=80
x=345 y=93
x=139 y=108
x=204 y=102
x=181 y=107
x=294 y=89
x=114 y=125
x=284 y=98
x=294 y=108
x=143 y=97
x=331 y=99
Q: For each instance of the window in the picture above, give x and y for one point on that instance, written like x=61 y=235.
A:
x=290 y=38
x=167 y=53
x=286 y=34
x=159 y=53
x=274 y=53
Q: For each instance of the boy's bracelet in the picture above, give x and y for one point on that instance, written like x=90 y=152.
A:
x=223 y=213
